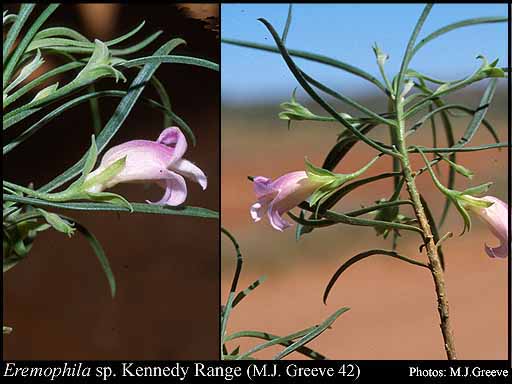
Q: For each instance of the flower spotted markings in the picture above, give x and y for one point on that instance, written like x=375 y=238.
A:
x=146 y=161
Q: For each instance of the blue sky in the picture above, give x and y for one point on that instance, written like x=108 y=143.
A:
x=347 y=32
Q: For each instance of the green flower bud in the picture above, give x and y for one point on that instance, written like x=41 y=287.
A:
x=381 y=56
x=459 y=168
x=292 y=110
x=489 y=69
x=388 y=214
x=459 y=199
x=99 y=65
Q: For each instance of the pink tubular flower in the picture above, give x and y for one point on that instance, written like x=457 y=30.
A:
x=496 y=217
x=277 y=197
x=157 y=162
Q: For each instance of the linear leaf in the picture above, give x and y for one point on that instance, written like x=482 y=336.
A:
x=93 y=95
x=268 y=336
x=14 y=31
x=60 y=31
x=347 y=100
x=242 y=294
x=312 y=335
x=452 y=157
x=410 y=49
x=171 y=59
x=305 y=85
x=27 y=38
x=100 y=253
x=137 y=207
x=362 y=256
x=275 y=341
x=312 y=57
x=34 y=83
x=461 y=149
x=137 y=47
x=126 y=36
x=456 y=25
x=342 y=147
x=287 y=24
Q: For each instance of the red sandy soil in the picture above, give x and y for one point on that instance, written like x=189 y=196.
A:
x=393 y=311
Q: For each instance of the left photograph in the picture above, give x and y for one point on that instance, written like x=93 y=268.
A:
x=111 y=181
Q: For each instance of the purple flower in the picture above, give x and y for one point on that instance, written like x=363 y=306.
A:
x=157 y=162
x=496 y=217
x=278 y=197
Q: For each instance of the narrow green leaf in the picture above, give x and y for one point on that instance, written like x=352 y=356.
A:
x=410 y=49
x=345 y=219
x=164 y=99
x=95 y=111
x=379 y=206
x=10 y=120
x=342 y=147
x=61 y=31
x=239 y=258
x=448 y=107
x=362 y=256
x=312 y=335
x=25 y=72
x=100 y=253
x=478 y=117
x=126 y=36
x=137 y=207
x=80 y=99
x=268 y=336
x=56 y=42
x=226 y=311
x=313 y=223
x=137 y=47
x=456 y=25
x=461 y=149
x=12 y=63
x=305 y=85
x=312 y=57
x=171 y=59
x=287 y=24
x=41 y=79
x=452 y=157
x=14 y=31
x=241 y=295
x=368 y=112
x=275 y=341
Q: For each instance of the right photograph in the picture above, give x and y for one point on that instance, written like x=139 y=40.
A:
x=364 y=178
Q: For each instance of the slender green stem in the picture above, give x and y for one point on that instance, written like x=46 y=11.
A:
x=429 y=243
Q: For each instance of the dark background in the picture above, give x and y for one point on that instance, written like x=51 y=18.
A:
x=166 y=267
